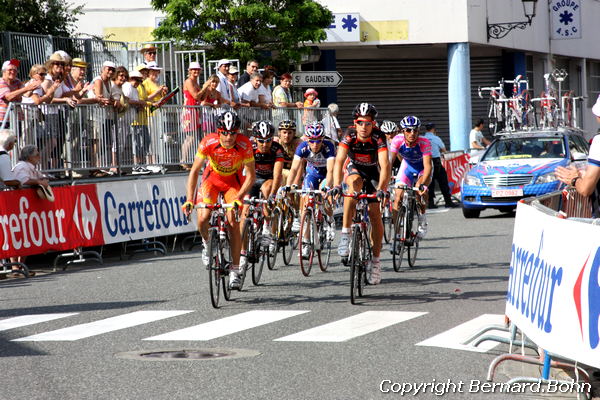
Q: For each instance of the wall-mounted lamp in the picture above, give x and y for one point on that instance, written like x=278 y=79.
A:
x=498 y=31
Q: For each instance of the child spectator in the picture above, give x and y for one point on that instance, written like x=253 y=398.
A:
x=311 y=102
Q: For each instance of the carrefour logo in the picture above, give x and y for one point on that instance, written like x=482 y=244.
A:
x=592 y=300
x=85 y=216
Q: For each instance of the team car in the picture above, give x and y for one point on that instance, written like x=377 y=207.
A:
x=520 y=164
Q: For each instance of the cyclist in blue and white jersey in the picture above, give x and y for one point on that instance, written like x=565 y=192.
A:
x=415 y=153
x=320 y=157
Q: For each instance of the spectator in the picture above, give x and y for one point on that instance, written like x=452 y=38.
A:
x=232 y=78
x=265 y=96
x=137 y=135
x=149 y=53
x=155 y=90
x=281 y=94
x=311 y=101
x=477 y=141
x=7 y=144
x=26 y=169
x=223 y=88
x=209 y=94
x=120 y=105
x=77 y=78
x=190 y=117
x=585 y=182
x=39 y=95
x=249 y=91
x=331 y=124
x=251 y=67
x=11 y=89
x=439 y=172
x=104 y=120
x=143 y=69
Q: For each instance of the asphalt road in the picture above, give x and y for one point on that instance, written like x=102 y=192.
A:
x=461 y=275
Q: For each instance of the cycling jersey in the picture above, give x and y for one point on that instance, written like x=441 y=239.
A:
x=265 y=162
x=412 y=158
x=316 y=163
x=364 y=153
x=223 y=174
x=288 y=153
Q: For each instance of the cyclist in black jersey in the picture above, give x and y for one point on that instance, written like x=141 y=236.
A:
x=362 y=162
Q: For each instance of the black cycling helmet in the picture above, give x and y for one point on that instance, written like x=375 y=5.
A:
x=263 y=130
x=287 y=124
x=228 y=121
x=388 y=127
x=364 y=110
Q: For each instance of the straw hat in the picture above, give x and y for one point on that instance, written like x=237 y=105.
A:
x=78 y=62
x=56 y=57
x=148 y=47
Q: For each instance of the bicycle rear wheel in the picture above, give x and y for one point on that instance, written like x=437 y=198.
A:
x=399 y=240
x=289 y=238
x=276 y=235
x=261 y=256
x=214 y=275
x=388 y=226
x=225 y=251
x=355 y=266
x=247 y=245
x=326 y=243
x=413 y=248
x=306 y=240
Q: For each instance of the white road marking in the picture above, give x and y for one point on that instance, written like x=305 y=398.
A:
x=25 y=320
x=103 y=326
x=453 y=338
x=351 y=327
x=227 y=326
x=437 y=211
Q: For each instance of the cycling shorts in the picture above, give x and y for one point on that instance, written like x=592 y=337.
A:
x=211 y=188
x=370 y=178
x=408 y=174
x=313 y=181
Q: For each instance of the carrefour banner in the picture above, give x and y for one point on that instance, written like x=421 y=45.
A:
x=31 y=225
x=554 y=284
x=143 y=208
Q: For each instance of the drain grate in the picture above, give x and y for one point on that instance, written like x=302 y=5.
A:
x=187 y=354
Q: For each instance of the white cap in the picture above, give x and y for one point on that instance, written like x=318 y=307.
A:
x=109 y=64
x=135 y=74
x=153 y=66
x=64 y=55
x=195 y=65
x=233 y=70
x=223 y=61
x=596 y=108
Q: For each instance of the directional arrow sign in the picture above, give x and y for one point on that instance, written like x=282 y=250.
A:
x=316 y=79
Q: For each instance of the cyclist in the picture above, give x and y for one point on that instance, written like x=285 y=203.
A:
x=415 y=153
x=391 y=130
x=319 y=155
x=228 y=153
x=362 y=162
x=289 y=142
x=268 y=161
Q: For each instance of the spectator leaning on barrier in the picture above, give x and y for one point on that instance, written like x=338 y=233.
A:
x=282 y=97
x=585 y=183
x=232 y=78
x=249 y=91
x=103 y=119
x=7 y=144
x=11 y=89
x=39 y=95
x=439 y=172
x=251 y=67
x=223 y=88
x=190 y=116
x=331 y=124
x=265 y=97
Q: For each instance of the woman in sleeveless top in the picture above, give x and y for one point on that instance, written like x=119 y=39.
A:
x=209 y=97
x=190 y=118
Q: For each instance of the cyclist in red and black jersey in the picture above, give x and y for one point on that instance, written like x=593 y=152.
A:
x=362 y=162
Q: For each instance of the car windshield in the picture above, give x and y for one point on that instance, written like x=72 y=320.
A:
x=531 y=147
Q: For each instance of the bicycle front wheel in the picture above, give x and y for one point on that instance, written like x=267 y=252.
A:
x=214 y=268
x=355 y=266
x=326 y=240
x=399 y=240
x=388 y=226
x=225 y=254
x=306 y=242
x=289 y=237
x=414 y=241
x=276 y=235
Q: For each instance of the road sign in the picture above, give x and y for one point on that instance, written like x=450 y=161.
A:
x=316 y=79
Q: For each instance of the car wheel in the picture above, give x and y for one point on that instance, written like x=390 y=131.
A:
x=470 y=213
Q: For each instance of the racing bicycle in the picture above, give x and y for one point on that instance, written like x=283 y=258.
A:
x=405 y=228
x=256 y=253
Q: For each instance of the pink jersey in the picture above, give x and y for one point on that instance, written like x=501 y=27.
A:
x=412 y=155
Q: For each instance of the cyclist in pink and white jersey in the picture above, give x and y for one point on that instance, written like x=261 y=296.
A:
x=416 y=167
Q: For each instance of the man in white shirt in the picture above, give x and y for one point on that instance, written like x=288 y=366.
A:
x=248 y=92
x=223 y=88
x=476 y=139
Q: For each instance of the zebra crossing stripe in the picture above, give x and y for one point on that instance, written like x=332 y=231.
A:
x=227 y=326
x=25 y=320
x=351 y=327
x=103 y=326
x=453 y=338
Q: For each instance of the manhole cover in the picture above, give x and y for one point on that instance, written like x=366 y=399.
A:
x=187 y=354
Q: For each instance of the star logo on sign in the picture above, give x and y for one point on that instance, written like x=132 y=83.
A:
x=566 y=17
x=349 y=23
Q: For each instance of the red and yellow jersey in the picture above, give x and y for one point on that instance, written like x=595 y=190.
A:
x=222 y=161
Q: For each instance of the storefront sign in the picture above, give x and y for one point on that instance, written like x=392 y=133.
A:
x=566 y=19
x=554 y=284
x=345 y=27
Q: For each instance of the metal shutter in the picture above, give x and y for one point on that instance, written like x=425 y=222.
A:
x=404 y=87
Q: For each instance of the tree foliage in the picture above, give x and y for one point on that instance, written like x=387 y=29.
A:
x=245 y=28
x=45 y=17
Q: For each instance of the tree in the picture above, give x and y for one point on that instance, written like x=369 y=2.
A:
x=245 y=28
x=45 y=17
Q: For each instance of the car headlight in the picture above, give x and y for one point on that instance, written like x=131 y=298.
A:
x=472 y=180
x=546 y=178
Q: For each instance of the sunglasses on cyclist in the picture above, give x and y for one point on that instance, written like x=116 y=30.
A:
x=228 y=133
x=363 y=123
x=411 y=130
x=264 y=140
x=315 y=141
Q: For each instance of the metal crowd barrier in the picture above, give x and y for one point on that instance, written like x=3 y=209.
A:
x=87 y=138
x=566 y=203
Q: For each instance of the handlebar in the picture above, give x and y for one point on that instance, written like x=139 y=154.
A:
x=358 y=196
x=217 y=206
x=413 y=188
x=254 y=201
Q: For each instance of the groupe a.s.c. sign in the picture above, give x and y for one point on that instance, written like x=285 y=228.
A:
x=316 y=78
